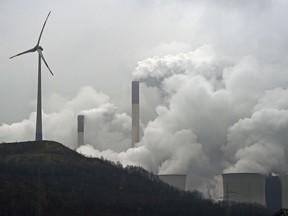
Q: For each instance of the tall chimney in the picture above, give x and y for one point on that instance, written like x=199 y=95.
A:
x=80 y=130
x=135 y=112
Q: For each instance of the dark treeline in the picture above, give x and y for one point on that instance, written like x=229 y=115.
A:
x=281 y=212
x=52 y=180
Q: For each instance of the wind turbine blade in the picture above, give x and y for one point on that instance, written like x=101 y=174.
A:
x=40 y=53
x=43 y=29
x=30 y=50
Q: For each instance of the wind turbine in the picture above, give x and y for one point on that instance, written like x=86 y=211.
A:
x=39 y=49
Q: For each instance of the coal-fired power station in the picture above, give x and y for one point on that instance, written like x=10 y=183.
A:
x=135 y=113
x=244 y=187
x=270 y=191
x=80 y=130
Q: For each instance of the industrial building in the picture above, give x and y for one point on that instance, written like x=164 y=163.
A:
x=244 y=187
x=135 y=113
x=270 y=191
x=175 y=180
x=284 y=195
x=273 y=193
x=80 y=130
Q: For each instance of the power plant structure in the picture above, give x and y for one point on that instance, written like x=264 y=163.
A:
x=244 y=187
x=270 y=191
x=135 y=113
x=80 y=130
x=284 y=195
x=273 y=193
x=175 y=180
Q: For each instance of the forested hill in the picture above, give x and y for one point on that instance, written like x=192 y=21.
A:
x=46 y=178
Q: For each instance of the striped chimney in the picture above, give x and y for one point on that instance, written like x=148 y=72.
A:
x=80 y=130
x=135 y=112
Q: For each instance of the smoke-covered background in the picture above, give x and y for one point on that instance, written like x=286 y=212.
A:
x=213 y=92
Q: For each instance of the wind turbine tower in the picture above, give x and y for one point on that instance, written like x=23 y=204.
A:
x=39 y=49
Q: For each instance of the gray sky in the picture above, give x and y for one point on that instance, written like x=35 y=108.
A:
x=214 y=81
x=95 y=43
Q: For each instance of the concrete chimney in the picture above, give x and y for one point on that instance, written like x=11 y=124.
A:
x=135 y=113
x=80 y=130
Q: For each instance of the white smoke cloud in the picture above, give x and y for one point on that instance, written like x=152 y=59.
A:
x=105 y=124
x=106 y=128
x=18 y=131
x=153 y=71
x=191 y=121
x=234 y=108
x=258 y=143
x=197 y=104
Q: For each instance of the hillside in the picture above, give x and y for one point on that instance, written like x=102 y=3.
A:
x=46 y=178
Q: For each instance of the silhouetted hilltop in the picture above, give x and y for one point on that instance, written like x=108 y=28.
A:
x=47 y=178
x=38 y=152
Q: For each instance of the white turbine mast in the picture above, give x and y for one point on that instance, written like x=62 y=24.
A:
x=39 y=49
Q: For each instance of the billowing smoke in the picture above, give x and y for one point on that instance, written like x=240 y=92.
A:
x=106 y=128
x=104 y=123
x=258 y=143
x=216 y=115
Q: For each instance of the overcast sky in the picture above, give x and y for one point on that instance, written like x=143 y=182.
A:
x=214 y=77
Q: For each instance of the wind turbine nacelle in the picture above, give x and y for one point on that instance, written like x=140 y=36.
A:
x=38 y=47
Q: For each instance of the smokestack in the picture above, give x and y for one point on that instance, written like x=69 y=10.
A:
x=80 y=130
x=135 y=112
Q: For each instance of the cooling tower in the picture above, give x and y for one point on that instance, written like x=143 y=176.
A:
x=244 y=187
x=284 y=182
x=135 y=113
x=178 y=181
x=80 y=130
